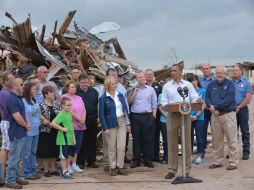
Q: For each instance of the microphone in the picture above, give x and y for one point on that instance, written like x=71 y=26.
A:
x=186 y=90
x=180 y=90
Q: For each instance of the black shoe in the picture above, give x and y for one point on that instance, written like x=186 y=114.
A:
x=169 y=175
x=149 y=165
x=134 y=165
x=92 y=165
x=47 y=174
x=56 y=173
x=120 y=171
x=227 y=156
x=245 y=156
x=157 y=160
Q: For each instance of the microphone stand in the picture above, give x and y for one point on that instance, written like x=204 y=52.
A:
x=184 y=178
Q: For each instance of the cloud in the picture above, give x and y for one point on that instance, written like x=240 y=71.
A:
x=221 y=31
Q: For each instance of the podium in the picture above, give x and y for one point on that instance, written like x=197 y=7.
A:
x=183 y=108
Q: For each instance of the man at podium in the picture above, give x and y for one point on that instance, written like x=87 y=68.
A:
x=170 y=95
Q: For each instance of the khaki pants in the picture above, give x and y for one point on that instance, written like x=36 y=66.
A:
x=116 y=144
x=225 y=125
x=175 y=123
x=105 y=149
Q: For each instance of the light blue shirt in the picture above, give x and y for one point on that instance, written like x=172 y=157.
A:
x=163 y=118
x=33 y=113
x=242 y=87
x=201 y=93
x=145 y=100
x=206 y=81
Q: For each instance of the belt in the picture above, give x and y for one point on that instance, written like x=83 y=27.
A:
x=91 y=116
x=142 y=113
x=223 y=113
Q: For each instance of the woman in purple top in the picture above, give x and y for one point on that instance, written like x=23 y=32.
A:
x=78 y=112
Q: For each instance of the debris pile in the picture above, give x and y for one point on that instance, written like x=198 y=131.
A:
x=22 y=51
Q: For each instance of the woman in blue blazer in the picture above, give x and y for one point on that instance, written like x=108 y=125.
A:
x=113 y=114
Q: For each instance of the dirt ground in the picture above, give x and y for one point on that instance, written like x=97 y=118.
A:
x=146 y=178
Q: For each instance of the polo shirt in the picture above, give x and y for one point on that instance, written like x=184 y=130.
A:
x=14 y=105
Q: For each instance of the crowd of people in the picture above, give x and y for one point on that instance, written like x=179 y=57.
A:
x=41 y=125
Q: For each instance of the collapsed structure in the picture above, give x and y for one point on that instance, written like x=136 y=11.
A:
x=21 y=51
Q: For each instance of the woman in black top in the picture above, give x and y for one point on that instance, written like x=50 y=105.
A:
x=47 y=150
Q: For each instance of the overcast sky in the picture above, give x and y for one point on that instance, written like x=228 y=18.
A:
x=221 y=31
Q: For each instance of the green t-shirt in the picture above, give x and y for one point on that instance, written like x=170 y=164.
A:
x=64 y=119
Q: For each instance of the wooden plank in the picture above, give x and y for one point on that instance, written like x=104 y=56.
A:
x=42 y=33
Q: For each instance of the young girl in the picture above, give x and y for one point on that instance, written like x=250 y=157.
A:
x=65 y=137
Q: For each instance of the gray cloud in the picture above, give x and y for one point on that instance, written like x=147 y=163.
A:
x=199 y=29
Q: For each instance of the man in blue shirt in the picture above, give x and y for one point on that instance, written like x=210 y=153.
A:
x=220 y=99
x=17 y=133
x=242 y=98
x=205 y=80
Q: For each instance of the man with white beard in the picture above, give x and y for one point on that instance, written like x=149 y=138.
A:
x=220 y=100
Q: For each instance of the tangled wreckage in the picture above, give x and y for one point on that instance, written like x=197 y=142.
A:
x=22 y=51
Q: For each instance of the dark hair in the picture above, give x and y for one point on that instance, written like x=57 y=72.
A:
x=46 y=90
x=193 y=77
x=64 y=100
x=82 y=77
x=179 y=65
x=110 y=70
x=27 y=92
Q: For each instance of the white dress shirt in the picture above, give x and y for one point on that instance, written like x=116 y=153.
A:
x=170 y=95
x=119 y=108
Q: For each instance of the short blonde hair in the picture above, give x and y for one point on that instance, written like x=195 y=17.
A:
x=107 y=82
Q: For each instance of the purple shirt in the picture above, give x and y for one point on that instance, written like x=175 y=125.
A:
x=145 y=100
x=78 y=107
x=4 y=94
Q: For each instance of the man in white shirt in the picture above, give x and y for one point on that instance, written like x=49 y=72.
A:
x=170 y=95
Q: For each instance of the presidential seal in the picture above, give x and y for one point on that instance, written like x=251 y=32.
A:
x=184 y=108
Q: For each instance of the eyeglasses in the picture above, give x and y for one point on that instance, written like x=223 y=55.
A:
x=68 y=105
x=45 y=72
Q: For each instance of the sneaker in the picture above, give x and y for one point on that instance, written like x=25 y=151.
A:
x=75 y=168
x=70 y=171
x=198 y=160
x=66 y=175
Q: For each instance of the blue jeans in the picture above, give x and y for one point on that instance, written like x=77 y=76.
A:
x=164 y=134
x=198 y=126
x=29 y=156
x=79 y=140
x=242 y=122
x=15 y=155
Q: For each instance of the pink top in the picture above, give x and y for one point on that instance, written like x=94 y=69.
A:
x=78 y=107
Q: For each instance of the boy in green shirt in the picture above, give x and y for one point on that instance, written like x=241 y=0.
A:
x=65 y=138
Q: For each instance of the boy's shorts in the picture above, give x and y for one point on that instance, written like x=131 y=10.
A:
x=65 y=151
x=5 y=125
